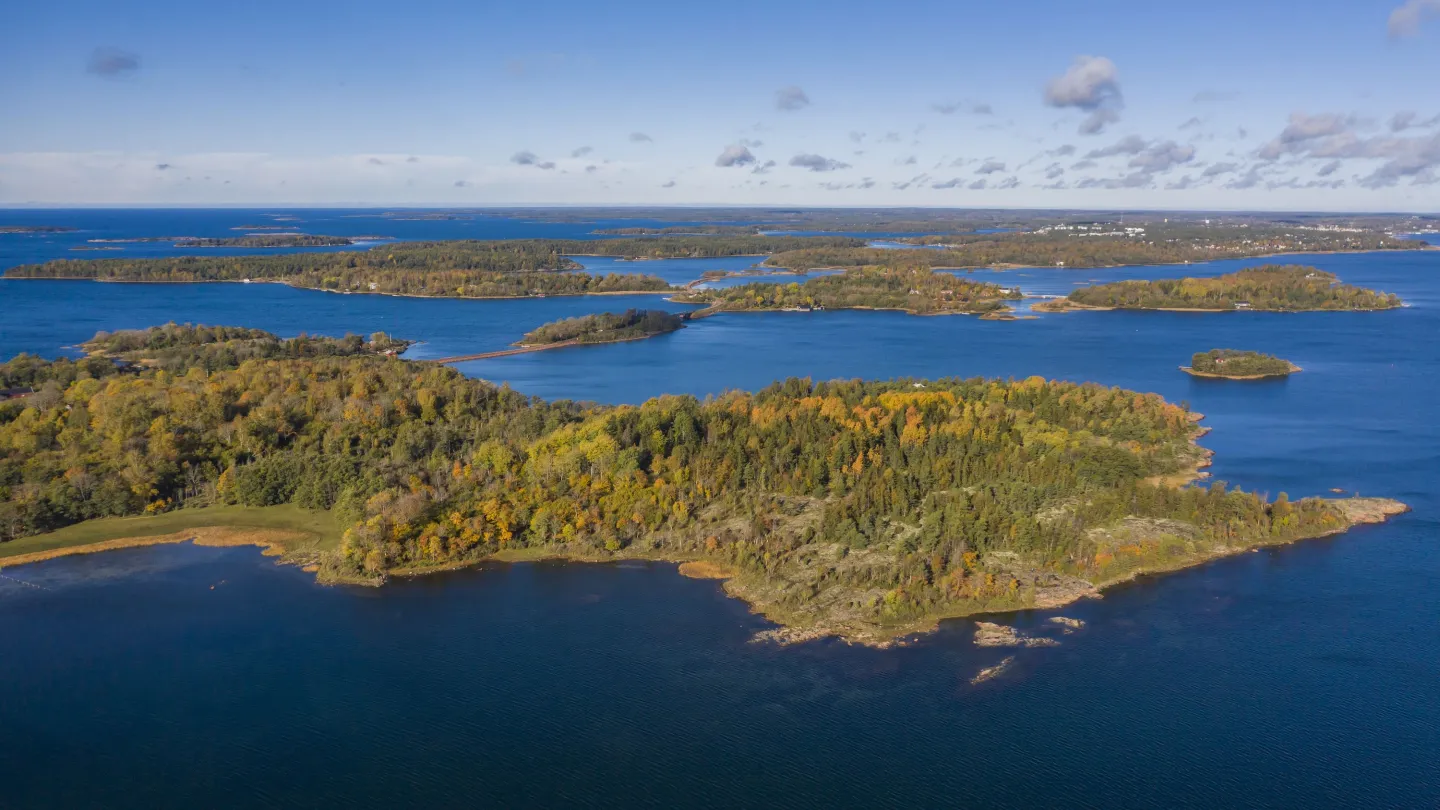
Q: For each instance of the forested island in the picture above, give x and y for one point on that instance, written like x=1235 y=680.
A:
x=462 y=269
x=1238 y=365
x=279 y=240
x=605 y=327
x=860 y=509
x=35 y=229
x=1090 y=246
x=915 y=290
x=1272 y=288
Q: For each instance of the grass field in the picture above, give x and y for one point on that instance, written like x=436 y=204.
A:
x=320 y=530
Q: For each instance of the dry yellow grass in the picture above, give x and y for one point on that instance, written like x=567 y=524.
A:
x=705 y=569
x=271 y=541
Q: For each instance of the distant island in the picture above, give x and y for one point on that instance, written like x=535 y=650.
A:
x=1233 y=364
x=866 y=510
x=268 y=241
x=914 y=290
x=36 y=229
x=457 y=269
x=605 y=327
x=1272 y=288
x=1081 y=246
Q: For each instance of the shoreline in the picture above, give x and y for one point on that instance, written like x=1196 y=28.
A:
x=271 y=542
x=736 y=584
x=1294 y=369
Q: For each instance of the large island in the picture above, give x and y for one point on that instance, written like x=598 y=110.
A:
x=1272 y=288
x=866 y=510
x=918 y=291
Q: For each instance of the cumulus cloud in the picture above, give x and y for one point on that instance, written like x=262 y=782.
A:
x=1329 y=168
x=791 y=98
x=763 y=168
x=953 y=182
x=462 y=183
x=990 y=167
x=1162 y=156
x=591 y=169
x=1130 y=145
x=112 y=62
x=1217 y=169
x=856 y=136
x=160 y=167
x=1008 y=183
x=1405 y=21
x=734 y=155
x=1133 y=180
x=978 y=185
x=670 y=184
x=1081 y=165
x=817 y=163
x=1303 y=130
x=412 y=159
x=1063 y=151
x=581 y=152
x=1053 y=171
x=1191 y=124
x=640 y=137
x=1249 y=180
x=524 y=158
x=1409 y=119
x=547 y=165
x=1092 y=85
x=374 y=161
x=1331 y=137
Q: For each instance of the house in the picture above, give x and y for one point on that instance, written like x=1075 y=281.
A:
x=1242 y=305
x=15 y=393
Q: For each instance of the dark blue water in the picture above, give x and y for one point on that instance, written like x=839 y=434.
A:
x=1306 y=676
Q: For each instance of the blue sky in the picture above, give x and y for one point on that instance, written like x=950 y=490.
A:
x=1275 y=105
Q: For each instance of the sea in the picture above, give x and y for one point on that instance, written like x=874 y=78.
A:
x=1302 y=676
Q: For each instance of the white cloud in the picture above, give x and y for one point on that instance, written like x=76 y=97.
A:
x=1405 y=21
x=1092 y=85
x=734 y=155
x=791 y=98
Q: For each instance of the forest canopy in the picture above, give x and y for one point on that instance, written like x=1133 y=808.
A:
x=605 y=327
x=915 y=290
x=1276 y=288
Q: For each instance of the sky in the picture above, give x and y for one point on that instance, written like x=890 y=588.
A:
x=1277 y=105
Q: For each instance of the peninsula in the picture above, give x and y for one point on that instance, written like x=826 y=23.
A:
x=1271 y=288
x=1232 y=364
x=918 y=291
x=866 y=510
